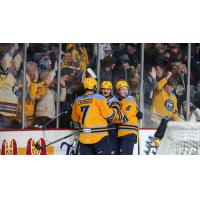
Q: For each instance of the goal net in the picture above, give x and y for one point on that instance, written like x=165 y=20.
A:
x=181 y=138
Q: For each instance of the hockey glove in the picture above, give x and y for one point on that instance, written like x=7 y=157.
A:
x=162 y=128
x=74 y=125
x=139 y=115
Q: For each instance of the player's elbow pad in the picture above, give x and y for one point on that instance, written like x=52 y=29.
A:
x=116 y=105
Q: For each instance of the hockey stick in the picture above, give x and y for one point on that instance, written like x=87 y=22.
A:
x=39 y=147
x=91 y=72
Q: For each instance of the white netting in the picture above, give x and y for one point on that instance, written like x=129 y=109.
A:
x=181 y=138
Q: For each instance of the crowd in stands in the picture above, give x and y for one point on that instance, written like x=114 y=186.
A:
x=118 y=61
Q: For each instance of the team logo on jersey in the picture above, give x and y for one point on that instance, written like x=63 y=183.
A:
x=169 y=104
x=31 y=150
x=152 y=145
x=9 y=148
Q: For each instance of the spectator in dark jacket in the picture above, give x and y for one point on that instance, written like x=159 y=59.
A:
x=107 y=66
x=124 y=70
x=181 y=81
x=132 y=54
x=120 y=50
x=130 y=50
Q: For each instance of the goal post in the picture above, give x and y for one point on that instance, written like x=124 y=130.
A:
x=181 y=138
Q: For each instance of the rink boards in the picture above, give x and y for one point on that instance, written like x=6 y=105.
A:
x=22 y=142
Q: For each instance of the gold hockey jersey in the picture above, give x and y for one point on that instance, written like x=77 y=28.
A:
x=91 y=112
x=130 y=122
x=163 y=104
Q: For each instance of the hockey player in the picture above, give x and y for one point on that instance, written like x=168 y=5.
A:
x=106 y=91
x=128 y=129
x=91 y=111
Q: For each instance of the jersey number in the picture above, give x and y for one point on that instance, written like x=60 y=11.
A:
x=84 y=109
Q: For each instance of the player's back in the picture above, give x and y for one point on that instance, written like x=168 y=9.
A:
x=92 y=111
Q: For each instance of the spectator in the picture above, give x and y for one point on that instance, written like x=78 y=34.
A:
x=132 y=54
x=68 y=60
x=107 y=67
x=34 y=89
x=153 y=53
x=76 y=58
x=121 y=61
x=120 y=50
x=107 y=50
x=10 y=65
x=45 y=108
x=130 y=49
x=134 y=86
x=155 y=75
x=164 y=102
x=181 y=80
x=194 y=112
x=79 y=52
x=104 y=50
x=124 y=70
x=82 y=56
x=195 y=94
x=195 y=66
